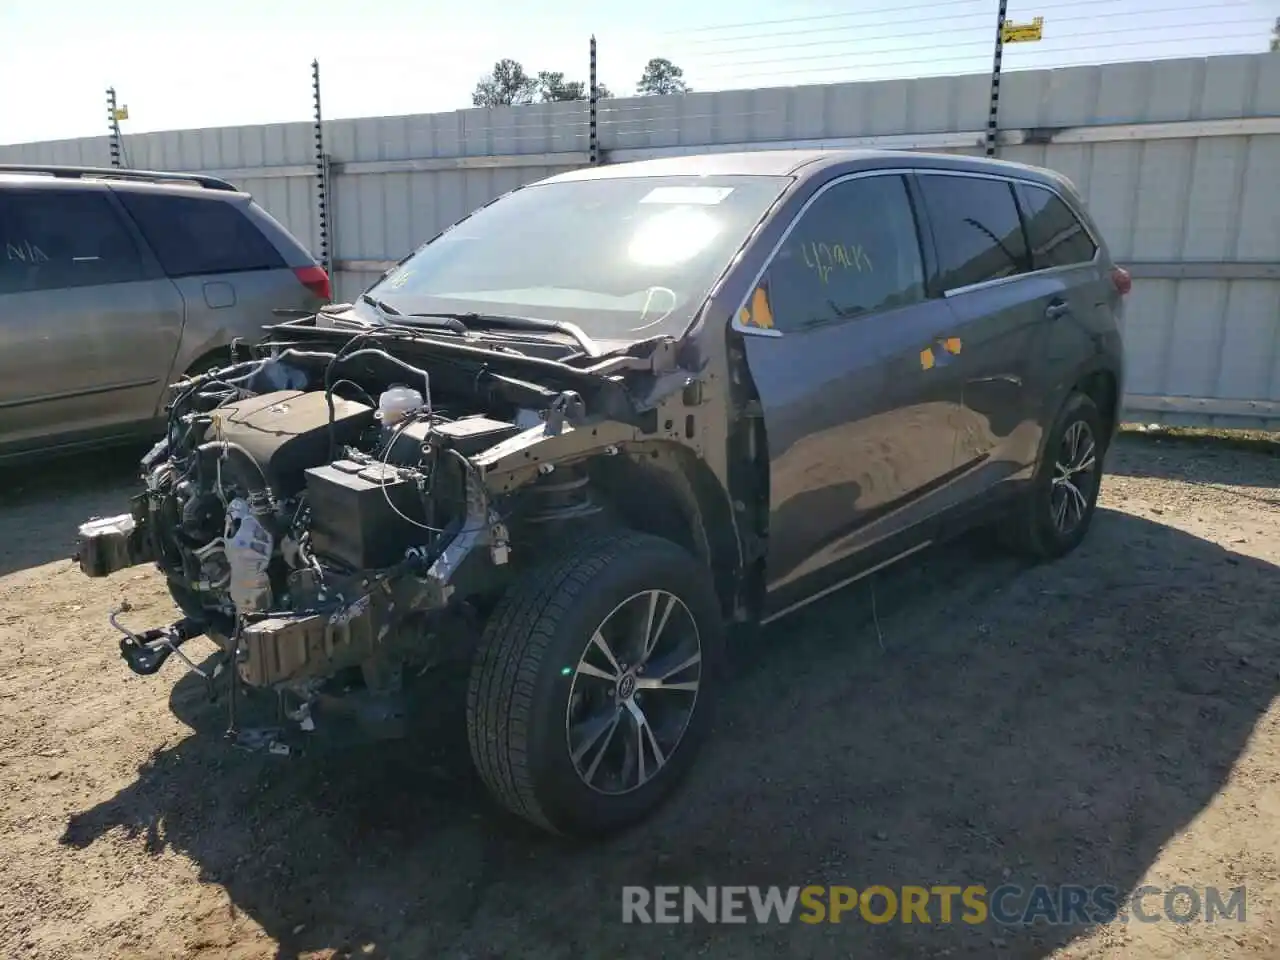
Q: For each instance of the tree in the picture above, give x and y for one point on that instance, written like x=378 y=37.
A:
x=507 y=84
x=661 y=77
x=1275 y=35
x=553 y=87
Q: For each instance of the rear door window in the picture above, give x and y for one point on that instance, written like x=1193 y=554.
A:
x=56 y=239
x=193 y=236
x=1056 y=235
x=976 y=228
x=854 y=251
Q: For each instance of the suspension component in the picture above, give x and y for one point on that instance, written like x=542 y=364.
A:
x=562 y=495
x=146 y=653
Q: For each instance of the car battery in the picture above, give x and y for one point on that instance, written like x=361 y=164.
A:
x=363 y=515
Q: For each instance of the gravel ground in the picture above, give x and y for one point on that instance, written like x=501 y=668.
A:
x=1109 y=719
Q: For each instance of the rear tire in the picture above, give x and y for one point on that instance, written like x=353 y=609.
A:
x=562 y=657
x=1053 y=516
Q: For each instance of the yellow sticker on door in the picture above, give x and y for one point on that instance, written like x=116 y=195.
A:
x=949 y=347
x=758 y=313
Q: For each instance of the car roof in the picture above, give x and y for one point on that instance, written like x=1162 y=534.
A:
x=55 y=178
x=800 y=164
x=744 y=163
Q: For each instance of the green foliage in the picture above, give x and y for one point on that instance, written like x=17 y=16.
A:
x=660 y=78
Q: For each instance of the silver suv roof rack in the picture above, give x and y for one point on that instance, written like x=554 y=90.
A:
x=116 y=173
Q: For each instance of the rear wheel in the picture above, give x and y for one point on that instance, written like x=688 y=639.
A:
x=1054 y=516
x=592 y=686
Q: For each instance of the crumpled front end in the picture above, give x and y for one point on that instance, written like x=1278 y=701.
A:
x=338 y=527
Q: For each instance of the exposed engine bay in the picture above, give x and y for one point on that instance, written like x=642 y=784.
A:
x=334 y=510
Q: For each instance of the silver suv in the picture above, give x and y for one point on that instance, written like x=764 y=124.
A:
x=114 y=283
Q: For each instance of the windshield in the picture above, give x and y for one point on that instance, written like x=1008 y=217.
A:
x=623 y=258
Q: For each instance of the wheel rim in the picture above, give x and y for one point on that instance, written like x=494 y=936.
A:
x=633 y=692
x=1075 y=477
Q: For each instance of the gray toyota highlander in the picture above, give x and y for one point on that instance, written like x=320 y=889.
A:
x=587 y=435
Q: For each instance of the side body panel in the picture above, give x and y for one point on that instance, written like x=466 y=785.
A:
x=1028 y=339
x=860 y=413
x=1006 y=381
x=83 y=361
x=232 y=262
x=229 y=306
x=1000 y=323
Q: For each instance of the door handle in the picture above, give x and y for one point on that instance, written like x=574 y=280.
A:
x=1057 y=309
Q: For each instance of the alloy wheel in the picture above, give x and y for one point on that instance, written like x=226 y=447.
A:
x=633 y=692
x=1075 y=477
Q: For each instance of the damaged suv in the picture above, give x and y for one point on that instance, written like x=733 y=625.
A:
x=583 y=433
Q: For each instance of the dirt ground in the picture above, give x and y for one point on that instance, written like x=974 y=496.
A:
x=1110 y=719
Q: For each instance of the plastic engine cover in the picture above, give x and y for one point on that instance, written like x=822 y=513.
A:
x=287 y=431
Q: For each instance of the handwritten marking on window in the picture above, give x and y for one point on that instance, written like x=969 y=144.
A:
x=825 y=258
x=24 y=251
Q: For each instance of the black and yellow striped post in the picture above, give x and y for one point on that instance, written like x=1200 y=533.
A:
x=593 y=110
x=113 y=127
x=322 y=172
x=993 y=114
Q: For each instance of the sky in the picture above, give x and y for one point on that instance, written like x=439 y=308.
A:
x=179 y=64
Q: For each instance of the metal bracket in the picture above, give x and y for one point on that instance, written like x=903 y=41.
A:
x=146 y=653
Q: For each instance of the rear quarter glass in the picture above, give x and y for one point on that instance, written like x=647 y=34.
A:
x=1075 y=200
x=293 y=251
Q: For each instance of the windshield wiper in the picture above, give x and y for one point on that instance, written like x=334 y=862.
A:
x=463 y=322
x=466 y=321
x=383 y=308
x=390 y=313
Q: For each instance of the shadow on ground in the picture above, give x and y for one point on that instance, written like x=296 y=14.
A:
x=987 y=724
x=38 y=499
x=1224 y=461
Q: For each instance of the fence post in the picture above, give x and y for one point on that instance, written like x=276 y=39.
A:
x=993 y=121
x=113 y=127
x=322 y=173
x=594 y=109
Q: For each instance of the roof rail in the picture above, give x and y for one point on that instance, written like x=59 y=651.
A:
x=117 y=173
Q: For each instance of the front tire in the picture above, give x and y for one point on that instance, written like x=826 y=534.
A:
x=592 y=686
x=1054 y=516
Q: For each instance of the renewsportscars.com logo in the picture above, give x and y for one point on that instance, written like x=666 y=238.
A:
x=1008 y=905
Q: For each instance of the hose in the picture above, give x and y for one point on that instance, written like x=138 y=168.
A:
x=245 y=468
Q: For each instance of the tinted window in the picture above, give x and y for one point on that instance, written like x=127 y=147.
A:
x=1056 y=236
x=55 y=239
x=194 y=236
x=853 y=251
x=976 y=229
